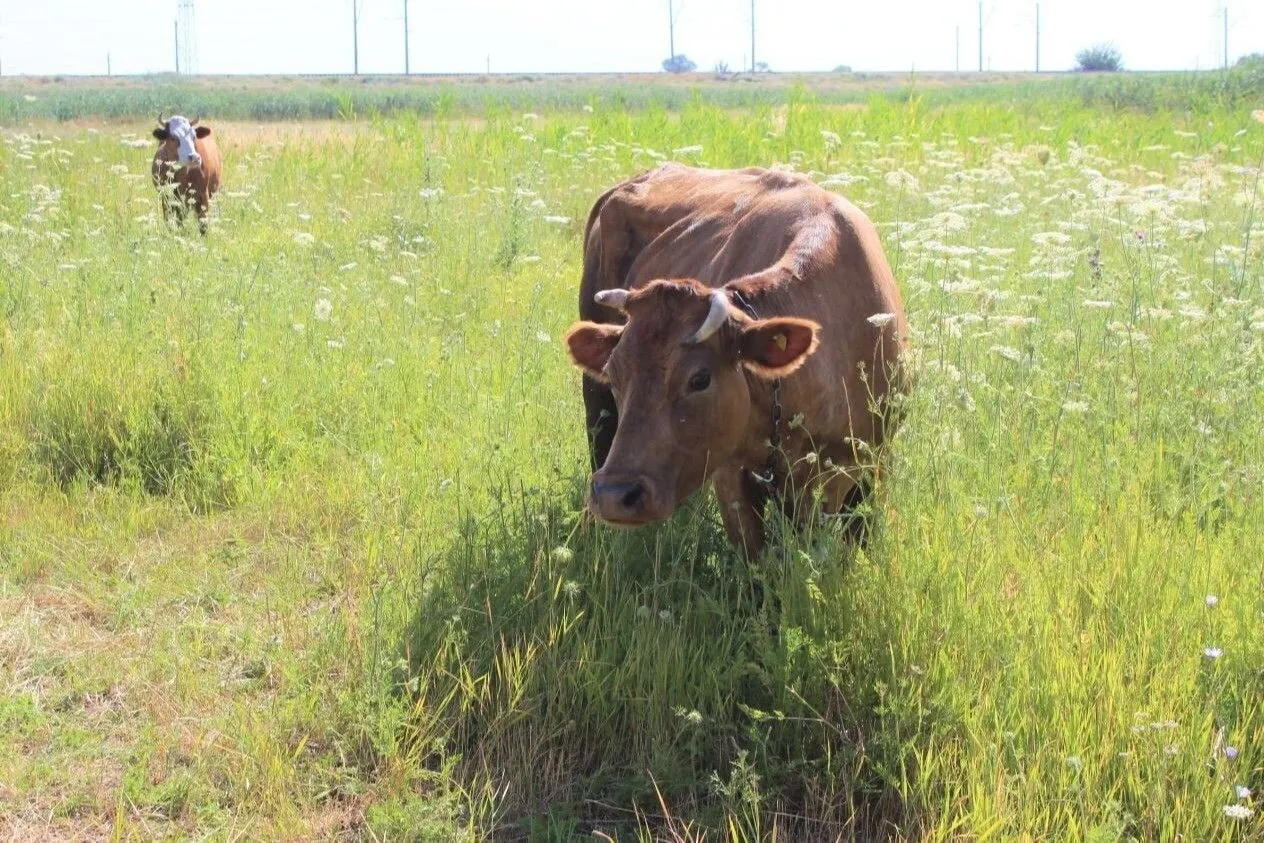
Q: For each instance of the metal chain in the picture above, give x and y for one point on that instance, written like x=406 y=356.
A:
x=774 y=439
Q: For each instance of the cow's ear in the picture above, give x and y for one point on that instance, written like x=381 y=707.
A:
x=774 y=348
x=203 y=131
x=161 y=133
x=590 y=346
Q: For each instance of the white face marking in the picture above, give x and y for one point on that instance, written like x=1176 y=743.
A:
x=182 y=131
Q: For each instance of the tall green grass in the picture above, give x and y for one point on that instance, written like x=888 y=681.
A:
x=320 y=475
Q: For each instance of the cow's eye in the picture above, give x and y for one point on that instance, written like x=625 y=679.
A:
x=699 y=381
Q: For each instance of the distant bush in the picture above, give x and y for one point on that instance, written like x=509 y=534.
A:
x=762 y=67
x=843 y=68
x=679 y=63
x=1252 y=61
x=1099 y=58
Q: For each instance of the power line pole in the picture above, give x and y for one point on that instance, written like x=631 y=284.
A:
x=355 y=37
x=1037 y=37
x=980 y=36
x=671 y=30
x=188 y=37
x=107 y=65
x=405 y=37
x=177 y=28
x=1225 y=11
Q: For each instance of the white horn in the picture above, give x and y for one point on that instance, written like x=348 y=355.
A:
x=716 y=316
x=615 y=298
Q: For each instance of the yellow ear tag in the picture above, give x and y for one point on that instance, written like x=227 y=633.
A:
x=780 y=340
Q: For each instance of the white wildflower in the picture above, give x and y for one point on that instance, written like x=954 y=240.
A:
x=556 y=220
x=1008 y=352
x=1238 y=812
x=1050 y=238
x=1076 y=406
x=303 y=238
x=1098 y=304
x=543 y=336
x=1242 y=791
x=430 y=192
x=694 y=149
x=323 y=309
x=879 y=320
x=1213 y=653
x=1212 y=601
x=902 y=179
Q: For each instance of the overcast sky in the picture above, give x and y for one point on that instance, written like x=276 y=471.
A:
x=314 y=36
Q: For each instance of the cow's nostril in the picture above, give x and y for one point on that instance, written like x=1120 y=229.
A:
x=632 y=497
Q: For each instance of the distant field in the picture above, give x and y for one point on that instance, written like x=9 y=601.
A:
x=347 y=97
x=291 y=543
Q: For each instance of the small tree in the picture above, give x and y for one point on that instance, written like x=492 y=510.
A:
x=1098 y=58
x=721 y=68
x=843 y=68
x=762 y=67
x=679 y=63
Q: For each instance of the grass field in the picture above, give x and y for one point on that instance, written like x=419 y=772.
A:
x=290 y=531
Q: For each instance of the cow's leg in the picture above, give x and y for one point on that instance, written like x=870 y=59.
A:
x=602 y=418
x=842 y=492
x=202 y=209
x=741 y=498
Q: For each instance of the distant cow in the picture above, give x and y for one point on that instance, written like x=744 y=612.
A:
x=744 y=327
x=186 y=168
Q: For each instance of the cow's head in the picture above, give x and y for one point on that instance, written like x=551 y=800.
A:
x=679 y=372
x=180 y=132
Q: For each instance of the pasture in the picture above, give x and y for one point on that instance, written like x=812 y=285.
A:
x=291 y=543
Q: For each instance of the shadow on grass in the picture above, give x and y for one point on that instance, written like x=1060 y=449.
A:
x=604 y=680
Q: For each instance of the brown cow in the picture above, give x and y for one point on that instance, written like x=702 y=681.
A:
x=730 y=310
x=186 y=168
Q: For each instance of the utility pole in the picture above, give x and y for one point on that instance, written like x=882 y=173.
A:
x=752 y=36
x=107 y=65
x=980 y=36
x=177 y=27
x=1225 y=12
x=355 y=37
x=671 y=30
x=405 y=37
x=1037 y=37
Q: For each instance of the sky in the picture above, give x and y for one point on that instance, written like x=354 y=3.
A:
x=518 y=36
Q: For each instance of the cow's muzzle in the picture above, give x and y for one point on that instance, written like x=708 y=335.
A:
x=623 y=500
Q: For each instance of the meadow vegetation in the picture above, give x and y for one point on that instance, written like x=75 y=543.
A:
x=291 y=542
